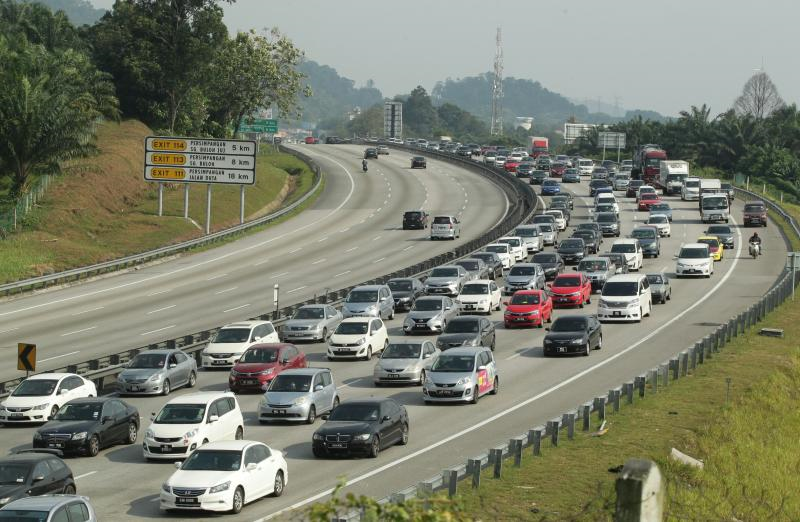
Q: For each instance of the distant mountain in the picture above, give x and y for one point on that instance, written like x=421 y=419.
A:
x=79 y=12
x=333 y=95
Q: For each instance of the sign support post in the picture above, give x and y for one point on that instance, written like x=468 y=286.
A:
x=208 y=209
x=186 y=201
x=275 y=289
x=160 y=199
x=794 y=267
x=241 y=204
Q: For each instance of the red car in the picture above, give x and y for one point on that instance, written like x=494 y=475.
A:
x=571 y=290
x=260 y=364
x=528 y=308
x=557 y=169
x=511 y=165
x=311 y=140
x=647 y=200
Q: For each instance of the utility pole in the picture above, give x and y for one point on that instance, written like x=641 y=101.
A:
x=497 y=88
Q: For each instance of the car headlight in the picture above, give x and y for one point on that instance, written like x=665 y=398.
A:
x=464 y=380
x=166 y=487
x=41 y=406
x=361 y=340
x=5 y=500
x=471 y=342
x=267 y=371
x=220 y=487
x=120 y=378
x=149 y=434
x=155 y=377
x=548 y=341
x=576 y=341
x=633 y=303
x=191 y=433
x=534 y=312
x=37 y=436
x=317 y=436
x=300 y=401
x=371 y=308
x=262 y=403
x=362 y=437
x=204 y=353
x=428 y=380
x=79 y=436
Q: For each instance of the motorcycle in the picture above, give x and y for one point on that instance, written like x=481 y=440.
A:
x=364 y=166
x=755 y=249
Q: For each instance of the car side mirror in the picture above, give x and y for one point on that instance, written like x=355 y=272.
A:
x=285 y=361
x=319 y=387
x=63 y=391
x=383 y=299
x=385 y=418
x=172 y=365
x=448 y=308
x=426 y=356
x=152 y=415
x=480 y=368
x=213 y=418
x=38 y=478
x=547 y=329
x=252 y=466
x=106 y=419
x=324 y=416
x=177 y=464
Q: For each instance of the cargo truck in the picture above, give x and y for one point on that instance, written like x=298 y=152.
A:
x=671 y=176
x=539 y=145
x=646 y=162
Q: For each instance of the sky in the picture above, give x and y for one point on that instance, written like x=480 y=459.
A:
x=664 y=55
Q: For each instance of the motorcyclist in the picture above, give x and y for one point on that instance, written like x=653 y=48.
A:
x=364 y=164
x=757 y=240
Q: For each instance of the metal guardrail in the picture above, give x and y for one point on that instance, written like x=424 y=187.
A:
x=77 y=274
x=775 y=207
x=522 y=204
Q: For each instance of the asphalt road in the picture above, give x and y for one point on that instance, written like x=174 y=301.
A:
x=351 y=234
x=533 y=389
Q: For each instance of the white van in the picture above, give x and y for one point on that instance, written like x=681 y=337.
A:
x=625 y=297
x=632 y=249
x=608 y=198
x=531 y=237
x=585 y=166
x=690 y=189
x=714 y=207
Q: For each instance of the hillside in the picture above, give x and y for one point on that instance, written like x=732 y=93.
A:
x=79 y=12
x=334 y=95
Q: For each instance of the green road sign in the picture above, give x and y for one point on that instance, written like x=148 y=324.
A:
x=260 y=125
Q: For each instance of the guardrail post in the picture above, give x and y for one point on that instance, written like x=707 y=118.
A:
x=586 y=413
x=628 y=389
x=537 y=441
x=722 y=333
x=684 y=363
x=674 y=366
x=707 y=347
x=600 y=408
x=729 y=332
x=496 y=457
x=653 y=374
x=474 y=471
x=569 y=420
x=613 y=399
x=701 y=356
x=72 y=368
x=450 y=477
x=515 y=445
x=424 y=489
x=553 y=428
x=641 y=385
x=664 y=369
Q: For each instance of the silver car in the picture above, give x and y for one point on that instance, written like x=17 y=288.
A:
x=475 y=267
x=549 y=233
x=446 y=280
x=157 y=372
x=525 y=276
x=51 y=508
x=311 y=323
x=405 y=362
x=461 y=375
x=369 y=301
x=445 y=227
x=430 y=314
x=298 y=395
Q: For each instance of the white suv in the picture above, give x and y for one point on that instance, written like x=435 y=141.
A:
x=625 y=297
x=358 y=338
x=694 y=259
x=481 y=295
x=632 y=250
x=191 y=420
x=232 y=340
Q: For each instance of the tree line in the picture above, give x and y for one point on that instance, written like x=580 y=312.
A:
x=168 y=63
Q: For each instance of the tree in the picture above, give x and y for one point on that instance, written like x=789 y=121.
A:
x=759 y=97
x=368 y=123
x=419 y=115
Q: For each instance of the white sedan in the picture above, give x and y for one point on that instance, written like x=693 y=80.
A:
x=481 y=295
x=224 y=476
x=40 y=396
x=661 y=222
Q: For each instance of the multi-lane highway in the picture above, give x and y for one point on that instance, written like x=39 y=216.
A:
x=350 y=234
x=534 y=389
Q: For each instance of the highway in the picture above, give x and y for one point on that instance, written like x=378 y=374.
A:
x=352 y=233
x=533 y=389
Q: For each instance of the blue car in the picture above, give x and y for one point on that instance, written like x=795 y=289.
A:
x=550 y=187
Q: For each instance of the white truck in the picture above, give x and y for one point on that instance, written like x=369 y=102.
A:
x=714 y=206
x=672 y=173
x=690 y=189
x=710 y=185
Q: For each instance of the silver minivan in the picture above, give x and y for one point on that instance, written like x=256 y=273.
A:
x=404 y=362
x=298 y=395
x=461 y=374
x=369 y=301
x=445 y=227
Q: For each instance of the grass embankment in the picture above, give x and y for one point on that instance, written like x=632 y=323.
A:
x=102 y=208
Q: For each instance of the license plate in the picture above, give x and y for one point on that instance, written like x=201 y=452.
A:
x=616 y=314
x=56 y=445
x=469 y=307
x=337 y=445
x=219 y=362
x=182 y=500
x=342 y=350
x=394 y=375
x=562 y=349
x=166 y=448
x=519 y=319
x=562 y=299
x=248 y=382
x=16 y=414
x=445 y=392
x=279 y=412
x=134 y=388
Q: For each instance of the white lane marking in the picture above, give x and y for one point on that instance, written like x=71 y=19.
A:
x=260 y=262
x=226 y=290
x=159 y=330
x=235 y=308
x=351 y=249
x=343 y=273
x=318 y=261
x=296 y=250
x=278 y=275
x=522 y=404
x=296 y=289
x=344 y=230
x=376 y=238
x=322 y=219
x=385 y=201
x=161 y=309
x=378 y=260
x=78 y=331
x=160 y=292
x=322 y=239
x=85 y=475
x=349 y=384
x=408 y=248
x=60 y=356
x=216 y=277
x=9 y=330
x=84 y=312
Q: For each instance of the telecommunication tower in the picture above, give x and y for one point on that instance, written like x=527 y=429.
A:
x=497 y=88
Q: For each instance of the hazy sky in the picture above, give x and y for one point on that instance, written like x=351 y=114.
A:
x=664 y=55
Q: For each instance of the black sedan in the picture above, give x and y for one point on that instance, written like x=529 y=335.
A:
x=573 y=334
x=467 y=330
x=418 y=162
x=361 y=427
x=405 y=291
x=590 y=238
x=492 y=261
x=572 y=250
x=551 y=263
x=723 y=232
x=30 y=473
x=87 y=425
x=596 y=184
x=371 y=153
x=537 y=177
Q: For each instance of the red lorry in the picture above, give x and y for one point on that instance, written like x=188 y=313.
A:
x=647 y=161
x=539 y=145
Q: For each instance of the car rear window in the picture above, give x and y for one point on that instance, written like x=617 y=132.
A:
x=413 y=215
x=567 y=281
x=441 y=220
x=754 y=208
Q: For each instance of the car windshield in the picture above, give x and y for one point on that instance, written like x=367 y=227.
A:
x=413 y=215
x=753 y=208
x=402 y=351
x=469 y=265
x=427 y=305
x=527 y=231
x=400 y=286
x=497 y=249
x=655 y=279
x=643 y=233
x=355 y=412
x=354 y=328
x=691 y=184
x=14 y=473
x=309 y=313
x=546 y=227
x=604 y=208
x=569 y=324
x=623 y=248
x=660 y=206
x=657 y=219
x=710 y=242
x=232 y=335
x=719 y=229
x=457 y=326
x=444 y=272
x=572 y=243
x=693 y=253
x=524 y=299
x=35 y=388
x=605 y=217
x=454 y=363
x=509 y=241
x=475 y=289
x=715 y=203
x=362 y=296
x=148 y=360
x=522 y=271
x=545 y=258
x=181 y=414
x=586 y=226
x=213 y=460
x=620 y=288
x=592 y=266
x=550 y=183
x=586 y=235
x=290 y=383
x=260 y=355
x=488 y=258
x=79 y=412
x=563 y=282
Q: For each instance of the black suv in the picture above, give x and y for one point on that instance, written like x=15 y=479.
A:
x=30 y=473
x=573 y=334
x=371 y=153
x=414 y=219
x=467 y=330
x=361 y=427
x=418 y=162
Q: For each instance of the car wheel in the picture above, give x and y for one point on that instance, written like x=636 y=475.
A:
x=133 y=432
x=494 y=341
x=238 y=500
x=312 y=415
x=589 y=298
x=599 y=343
x=324 y=334
x=53 y=411
x=403 y=435
x=166 y=388
x=277 y=488
x=495 y=386
x=641 y=314
x=69 y=489
x=391 y=315
x=239 y=433
x=318 y=453
x=335 y=403
x=669 y=296
x=93 y=446
x=369 y=353
x=192 y=380
x=375 y=447
x=422 y=376
x=581 y=305
x=475 y=397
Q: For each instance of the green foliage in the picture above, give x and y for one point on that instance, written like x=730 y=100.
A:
x=334 y=95
x=79 y=12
